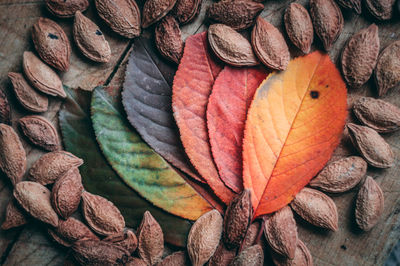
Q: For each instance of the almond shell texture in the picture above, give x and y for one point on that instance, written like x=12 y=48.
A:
x=51 y=43
x=66 y=9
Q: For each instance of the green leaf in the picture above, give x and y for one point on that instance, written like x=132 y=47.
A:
x=138 y=165
x=99 y=178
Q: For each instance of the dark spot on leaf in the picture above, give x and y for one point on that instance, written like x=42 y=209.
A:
x=343 y=247
x=52 y=36
x=98 y=32
x=314 y=94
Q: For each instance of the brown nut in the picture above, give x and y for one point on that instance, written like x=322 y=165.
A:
x=151 y=239
x=155 y=10
x=387 y=71
x=169 y=40
x=66 y=9
x=28 y=97
x=51 y=43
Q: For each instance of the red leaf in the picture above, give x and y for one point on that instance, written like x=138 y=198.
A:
x=227 y=108
x=192 y=87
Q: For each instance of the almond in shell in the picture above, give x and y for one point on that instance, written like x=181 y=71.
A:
x=369 y=204
x=237 y=219
x=15 y=216
x=178 y=258
x=126 y=240
x=222 y=256
x=5 y=115
x=316 y=208
x=53 y=165
x=299 y=27
x=41 y=76
x=102 y=215
x=185 y=11
x=66 y=193
x=377 y=114
x=40 y=132
x=204 y=237
x=155 y=10
x=95 y=252
x=168 y=39
x=238 y=14
x=354 y=5
x=375 y=150
x=230 y=46
x=12 y=154
x=35 y=199
x=151 y=240
x=90 y=40
x=51 y=43
x=359 y=56
x=381 y=9
x=327 y=19
x=252 y=234
x=302 y=257
x=70 y=231
x=123 y=16
x=387 y=72
x=251 y=256
x=28 y=97
x=269 y=45
x=341 y=175
x=66 y=9
x=281 y=232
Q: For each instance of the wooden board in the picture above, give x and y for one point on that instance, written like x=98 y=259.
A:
x=349 y=246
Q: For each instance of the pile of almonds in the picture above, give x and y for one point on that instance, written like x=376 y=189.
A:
x=55 y=191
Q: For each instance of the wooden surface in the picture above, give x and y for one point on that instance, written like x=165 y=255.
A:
x=30 y=245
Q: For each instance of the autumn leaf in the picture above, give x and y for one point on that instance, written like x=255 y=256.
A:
x=137 y=164
x=192 y=86
x=294 y=124
x=147 y=101
x=99 y=178
x=230 y=99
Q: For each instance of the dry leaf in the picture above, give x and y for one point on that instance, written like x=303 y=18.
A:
x=101 y=215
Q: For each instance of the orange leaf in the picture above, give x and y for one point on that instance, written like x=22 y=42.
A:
x=192 y=86
x=293 y=125
x=227 y=108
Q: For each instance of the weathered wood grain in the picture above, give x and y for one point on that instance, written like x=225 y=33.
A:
x=348 y=246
